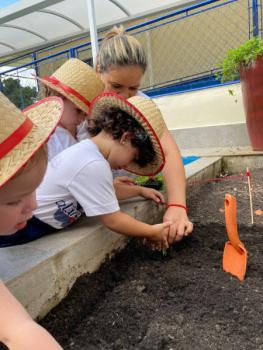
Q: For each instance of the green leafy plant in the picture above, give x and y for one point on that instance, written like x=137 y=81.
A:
x=239 y=57
x=153 y=181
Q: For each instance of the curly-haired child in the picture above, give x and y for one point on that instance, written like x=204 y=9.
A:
x=125 y=134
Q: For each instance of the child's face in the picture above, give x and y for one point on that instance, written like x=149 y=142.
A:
x=17 y=198
x=71 y=117
x=122 y=154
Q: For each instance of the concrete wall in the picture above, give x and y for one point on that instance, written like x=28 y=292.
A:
x=202 y=108
x=206 y=118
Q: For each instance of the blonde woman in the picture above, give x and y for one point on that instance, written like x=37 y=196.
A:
x=121 y=64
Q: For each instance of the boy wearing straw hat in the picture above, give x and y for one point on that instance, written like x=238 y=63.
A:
x=23 y=161
x=77 y=84
x=125 y=134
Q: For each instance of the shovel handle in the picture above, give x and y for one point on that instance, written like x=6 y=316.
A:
x=231 y=220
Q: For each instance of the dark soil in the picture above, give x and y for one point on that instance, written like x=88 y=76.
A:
x=182 y=300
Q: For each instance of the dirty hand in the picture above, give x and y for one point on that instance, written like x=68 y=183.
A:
x=123 y=180
x=160 y=233
x=181 y=225
x=152 y=194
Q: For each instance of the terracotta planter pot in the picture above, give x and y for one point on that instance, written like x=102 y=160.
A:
x=252 y=90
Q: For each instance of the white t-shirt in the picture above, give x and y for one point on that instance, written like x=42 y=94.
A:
x=79 y=179
x=82 y=132
x=59 y=140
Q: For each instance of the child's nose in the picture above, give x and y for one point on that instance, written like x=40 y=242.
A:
x=125 y=93
x=30 y=204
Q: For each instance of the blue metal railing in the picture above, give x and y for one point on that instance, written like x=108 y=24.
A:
x=207 y=79
x=179 y=12
x=71 y=51
x=255 y=17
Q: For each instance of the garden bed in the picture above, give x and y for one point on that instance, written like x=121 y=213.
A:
x=182 y=300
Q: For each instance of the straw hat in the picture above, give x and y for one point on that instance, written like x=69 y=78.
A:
x=148 y=116
x=22 y=134
x=77 y=81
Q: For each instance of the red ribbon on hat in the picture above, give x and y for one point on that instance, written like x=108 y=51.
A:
x=67 y=89
x=16 y=137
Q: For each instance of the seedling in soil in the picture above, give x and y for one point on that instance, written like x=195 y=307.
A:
x=164 y=251
x=155 y=182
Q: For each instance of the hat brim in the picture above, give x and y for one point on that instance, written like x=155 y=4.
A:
x=45 y=115
x=81 y=105
x=106 y=100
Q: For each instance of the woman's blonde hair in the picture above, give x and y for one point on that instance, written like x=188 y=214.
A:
x=120 y=49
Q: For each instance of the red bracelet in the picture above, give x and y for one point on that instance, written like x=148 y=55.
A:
x=178 y=205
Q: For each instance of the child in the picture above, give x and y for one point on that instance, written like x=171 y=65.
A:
x=77 y=84
x=121 y=63
x=125 y=134
x=23 y=162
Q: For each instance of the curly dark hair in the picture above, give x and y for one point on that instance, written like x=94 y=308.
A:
x=116 y=122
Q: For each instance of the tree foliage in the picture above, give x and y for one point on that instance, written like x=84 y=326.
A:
x=21 y=96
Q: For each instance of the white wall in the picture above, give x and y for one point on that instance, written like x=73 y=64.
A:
x=202 y=108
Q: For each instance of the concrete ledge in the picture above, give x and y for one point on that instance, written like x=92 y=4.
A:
x=41 y=273
x=234 y=151
x=229 y=135
x=234 y=159
x=236 y=164
x=203 y=168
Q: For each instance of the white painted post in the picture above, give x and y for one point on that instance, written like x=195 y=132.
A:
x=93 y=30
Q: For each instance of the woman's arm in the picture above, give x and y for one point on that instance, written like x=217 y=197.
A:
x=18 y=330
x=174 y=176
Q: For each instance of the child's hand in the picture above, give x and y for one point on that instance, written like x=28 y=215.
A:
x=123 y=180
x=153 y=245
x=160 y=234
x=152 y=194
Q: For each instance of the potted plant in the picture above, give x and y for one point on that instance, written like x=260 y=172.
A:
x=246 y=61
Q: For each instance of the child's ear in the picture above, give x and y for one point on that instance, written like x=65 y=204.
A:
x=125 y=137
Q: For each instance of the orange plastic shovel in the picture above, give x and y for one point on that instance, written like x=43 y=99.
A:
x=235 y=254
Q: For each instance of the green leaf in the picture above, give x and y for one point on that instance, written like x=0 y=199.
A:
x=241 y=56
